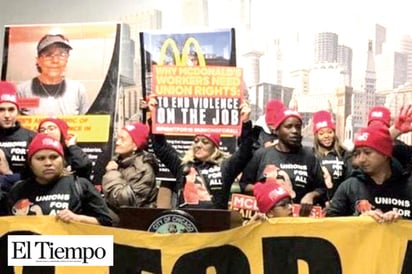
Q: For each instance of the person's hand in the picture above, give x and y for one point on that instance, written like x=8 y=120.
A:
x=4 y=164
x=67 y=216
x=143 y=104
x=245 y=112
x=307 y=199
x=327 y=178
x=151 y=102
x=71 y=140
x=391 y=216
x=403 y=122
x=111 y=165
x=380 y=217
x=258 y=217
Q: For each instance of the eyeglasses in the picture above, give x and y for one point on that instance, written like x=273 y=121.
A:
x=59 y=55
x=48 y=129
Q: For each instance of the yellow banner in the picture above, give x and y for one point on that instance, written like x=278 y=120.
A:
x=284 y=245
x=87 y=128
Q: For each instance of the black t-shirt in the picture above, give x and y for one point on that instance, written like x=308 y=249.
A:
x=31 y=198
x=302 y=167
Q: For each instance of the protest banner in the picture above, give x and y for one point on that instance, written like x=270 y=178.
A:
x=196 y=100
x=280 y=245
x=172 y=50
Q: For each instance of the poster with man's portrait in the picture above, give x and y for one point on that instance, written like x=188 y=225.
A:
x=71 y=72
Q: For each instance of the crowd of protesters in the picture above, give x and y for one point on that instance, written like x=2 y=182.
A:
x=270 y=163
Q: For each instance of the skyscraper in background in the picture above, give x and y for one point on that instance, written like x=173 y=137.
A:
x=406 y=48
x=326 y=47
x=380 y=38
x=345 y=60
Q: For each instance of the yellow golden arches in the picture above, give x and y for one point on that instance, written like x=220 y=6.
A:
x=169 y=42
x=186 y=50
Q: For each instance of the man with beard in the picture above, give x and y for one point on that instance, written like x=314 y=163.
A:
x=290 y=158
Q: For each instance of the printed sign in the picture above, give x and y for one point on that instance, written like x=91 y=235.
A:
x=173 y=221
x=193 y=100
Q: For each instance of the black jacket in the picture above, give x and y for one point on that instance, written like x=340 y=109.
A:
x=79 y=196
x=394 y=194
x=223 y=175
x=14 y=142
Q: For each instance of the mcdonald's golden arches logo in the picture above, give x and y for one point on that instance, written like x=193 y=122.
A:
x=184 y=58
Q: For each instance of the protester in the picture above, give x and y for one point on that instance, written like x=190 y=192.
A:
x=51 y=190
x=57 y=94
x=335 y=161
x=130 y=179
x=287 y=155
x=381 y=116
x=76 y=159
x=272 y=199
x=378 y=188
x=205 y=174
x=14 y=139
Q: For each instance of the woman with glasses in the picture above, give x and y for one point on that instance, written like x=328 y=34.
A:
x=57 y=95
x=77 y=161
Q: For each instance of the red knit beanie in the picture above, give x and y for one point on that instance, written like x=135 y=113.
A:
x=322 y=119
x=213 y=137
x=375 y=137
x=271 y=108
x=283 y=114
x=8 y=93
x=380 y=113
x=268 y=195
x=139 y=133
x=61 y=124
x=43 y=141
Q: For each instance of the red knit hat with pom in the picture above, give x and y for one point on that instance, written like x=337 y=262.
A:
x=381 y=114
x=272 y=107
x=139 y=133
x=43 y=141
x=322 y=119
x=283 y=114
x=375 y=137
x=268 y=195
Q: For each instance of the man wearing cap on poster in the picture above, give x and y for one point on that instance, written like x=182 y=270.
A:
x=57 y=94
x=378 y=188
x=289 y=156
